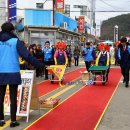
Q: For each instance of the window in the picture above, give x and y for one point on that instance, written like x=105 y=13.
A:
x=67 y=10
x=39 y=5
x=83 y=9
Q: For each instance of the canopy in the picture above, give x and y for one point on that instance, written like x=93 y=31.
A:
x=108 y=42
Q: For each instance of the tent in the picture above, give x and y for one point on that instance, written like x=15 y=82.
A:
x=108 y=42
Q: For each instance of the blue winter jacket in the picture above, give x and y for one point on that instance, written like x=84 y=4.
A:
x=10 y=50
x=89 y=54
x=123 y=57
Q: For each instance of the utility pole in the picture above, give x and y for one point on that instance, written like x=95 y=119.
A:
x=53 y=13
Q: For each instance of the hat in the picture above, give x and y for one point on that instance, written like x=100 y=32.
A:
x=61 y=44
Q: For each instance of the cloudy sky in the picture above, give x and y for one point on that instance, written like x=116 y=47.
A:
x=111 y=5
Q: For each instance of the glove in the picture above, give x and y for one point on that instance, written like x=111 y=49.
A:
x=55 y=61
x=66 y=61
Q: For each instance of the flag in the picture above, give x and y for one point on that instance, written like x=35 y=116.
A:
x=12 y=10
x=58 y=70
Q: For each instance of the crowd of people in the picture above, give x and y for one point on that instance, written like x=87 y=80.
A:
x=60 y=54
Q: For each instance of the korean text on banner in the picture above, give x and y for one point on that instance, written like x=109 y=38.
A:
x=12 y=10
x=81 y=24
x=23 y=95
x=60 y=5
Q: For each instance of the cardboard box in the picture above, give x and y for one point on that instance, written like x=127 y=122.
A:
x=85 y=75
x=51 y=103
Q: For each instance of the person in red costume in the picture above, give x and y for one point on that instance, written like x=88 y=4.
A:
x=60 y=55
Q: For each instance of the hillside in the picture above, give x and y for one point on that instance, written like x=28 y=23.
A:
x=123 y=22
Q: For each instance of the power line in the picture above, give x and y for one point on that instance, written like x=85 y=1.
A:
x=71 y=10
x=107 y=4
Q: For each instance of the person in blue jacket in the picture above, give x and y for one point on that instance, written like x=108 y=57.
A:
x=89 y=55
x=123 y=58
x=10 y=50
x=48 y=57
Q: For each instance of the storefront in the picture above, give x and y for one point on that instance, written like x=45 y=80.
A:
x=40 y=34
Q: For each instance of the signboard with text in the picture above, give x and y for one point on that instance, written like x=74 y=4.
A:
x=23 y=95
x=12 y=10
x=60 y=5
x=81 y=24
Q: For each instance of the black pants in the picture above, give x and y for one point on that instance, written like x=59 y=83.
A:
x=88 y=64
x=48 y=63
x=39 y=70
x=13 y=101
x=76 y=61
x=125 y=73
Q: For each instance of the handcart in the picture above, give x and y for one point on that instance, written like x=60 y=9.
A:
x=57 y=72
x=99 y=71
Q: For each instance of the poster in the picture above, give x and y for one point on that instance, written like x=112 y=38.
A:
x=60 y=5
x=81 y=24
x=23 y=95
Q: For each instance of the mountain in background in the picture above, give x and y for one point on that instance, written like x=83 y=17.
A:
x=107 y=28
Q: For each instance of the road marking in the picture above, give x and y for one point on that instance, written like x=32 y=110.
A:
x=53 y=96
x=106 y=106
x=54 y=107
x=61 y=92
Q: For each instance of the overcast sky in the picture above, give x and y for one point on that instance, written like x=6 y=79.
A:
x=111 y=5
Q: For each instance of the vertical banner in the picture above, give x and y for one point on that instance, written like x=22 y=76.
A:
x=12 y=10
x=60 y=5
x=81 y=24
x=115 y=33
x=23 y=95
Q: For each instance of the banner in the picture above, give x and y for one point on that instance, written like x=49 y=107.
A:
x=81 y=24
x=12 y=10
x=60 y=5
x=58 y=70
x=23 y=95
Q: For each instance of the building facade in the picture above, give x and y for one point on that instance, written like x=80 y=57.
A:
x=73 y=10
x=2 y=11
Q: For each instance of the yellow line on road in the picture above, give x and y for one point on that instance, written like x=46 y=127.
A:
x=61 y=92
x=106 y=106
x=54 y=96
x=8 y=123
x=54 y=108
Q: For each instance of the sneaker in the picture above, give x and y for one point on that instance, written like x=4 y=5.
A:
x=2 y=122
x=126 y=85
x=14 y=124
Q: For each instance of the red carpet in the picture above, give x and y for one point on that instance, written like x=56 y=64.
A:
x=47 y=86
x=83 y=110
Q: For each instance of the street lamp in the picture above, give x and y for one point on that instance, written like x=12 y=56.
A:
x=115 y=33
